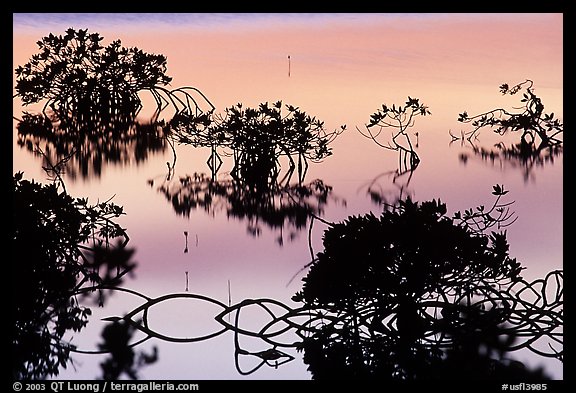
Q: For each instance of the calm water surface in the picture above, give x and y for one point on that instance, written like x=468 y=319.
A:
x=341 y=69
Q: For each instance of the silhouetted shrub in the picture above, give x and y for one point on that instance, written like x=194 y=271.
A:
x=394 y=288
x=258 y=138
x=531 y=121
x=74 y=71
x=61 y=248
x=401 y=118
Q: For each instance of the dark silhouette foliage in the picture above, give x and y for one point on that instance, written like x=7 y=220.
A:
x=480 y=350
x=409 y=294
x=86 y=146
x=62 y=249
x=401 y=118
x=539 y=130
x=280 y=208
x=258 y=138
x=74 y=71
x=524 y=156
x=413 y=292
x=84 y=83
x=540 y=133
x=122 y=359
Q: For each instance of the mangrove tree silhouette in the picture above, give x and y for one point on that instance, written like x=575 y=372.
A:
x=63 y=249
x=540 y=133
x=74 y=73
x=91 y=98
x=258 y=139
x=538 y=129
x=400 y=118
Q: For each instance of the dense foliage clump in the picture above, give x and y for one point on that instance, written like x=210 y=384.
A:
x=62 y=248
x=74 y=70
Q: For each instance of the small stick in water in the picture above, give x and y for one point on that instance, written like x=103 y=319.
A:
x=186 y=246
x=288 y=66
x=229 y=300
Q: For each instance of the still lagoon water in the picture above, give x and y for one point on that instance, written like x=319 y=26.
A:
x=339 y=68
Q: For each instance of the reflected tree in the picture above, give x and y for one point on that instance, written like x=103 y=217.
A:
x=540 y=133
x=480 y=348
x=194 y=131
x=259 y=141
x=414 y=290
x=335 y=347
x=412 y=294
x=406 y=295
x=89 y=145
x=383 y=195
x=523 y=156
x=122 y=359
x=63 y=250
x=277 y=207
x=399 y=118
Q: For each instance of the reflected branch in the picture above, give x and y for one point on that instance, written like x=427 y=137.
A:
x=419 y=290
x=382 y=197
x=86 y=146
x=444 y=322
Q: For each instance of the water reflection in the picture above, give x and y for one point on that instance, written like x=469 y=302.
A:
x=89 y=144
x=257 y=191
x=382 y=194
x=123 y=359
x=328 y=331
x=64 y=250
x=522 y=156
x=279 y=208
x=416 y=290
x=408 y=295
x=403 y=296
